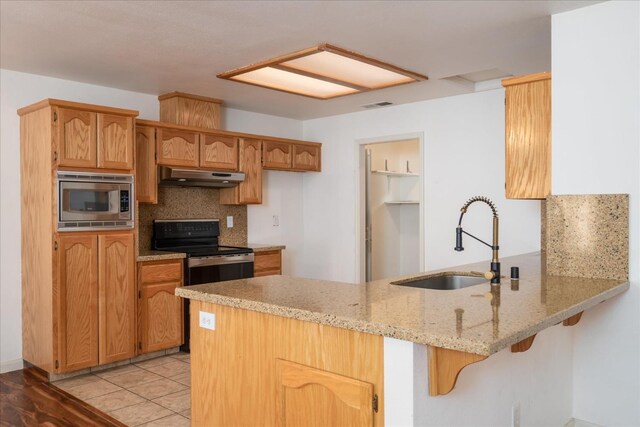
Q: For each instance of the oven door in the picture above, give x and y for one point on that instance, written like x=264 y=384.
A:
x=218 y=268
x=212 y=269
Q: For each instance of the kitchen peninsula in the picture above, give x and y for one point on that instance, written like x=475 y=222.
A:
x=284 y=348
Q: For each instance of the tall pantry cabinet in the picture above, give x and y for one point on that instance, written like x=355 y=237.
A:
x=78 y=287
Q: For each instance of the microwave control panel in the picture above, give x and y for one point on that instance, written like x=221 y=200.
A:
x=124 y=200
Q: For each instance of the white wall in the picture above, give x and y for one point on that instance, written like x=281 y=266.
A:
x=596 y=149
x=282 y=191
x=463 y=157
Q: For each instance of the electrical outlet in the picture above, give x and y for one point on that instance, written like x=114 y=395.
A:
x=276 y=221
x=229 y=221
x=515 y=415
x=208 y=320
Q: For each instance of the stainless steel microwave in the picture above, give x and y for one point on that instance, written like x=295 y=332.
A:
x=93 y=201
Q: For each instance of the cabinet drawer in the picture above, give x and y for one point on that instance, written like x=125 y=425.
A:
x=157 y=272
x=267 y=263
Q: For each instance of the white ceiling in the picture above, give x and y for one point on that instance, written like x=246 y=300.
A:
x=161 y=46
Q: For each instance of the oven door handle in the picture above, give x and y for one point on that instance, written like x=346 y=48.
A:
x=220 y=260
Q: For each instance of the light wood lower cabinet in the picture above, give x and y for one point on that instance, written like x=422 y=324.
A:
x=160 y=312
x=290 y=373
x=77 y=302
x=267 y=263
x=95 y=299
x=116 y=297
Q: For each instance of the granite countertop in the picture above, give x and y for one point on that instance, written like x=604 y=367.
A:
x=263 y=247
x=150 y=255
x=475 y=319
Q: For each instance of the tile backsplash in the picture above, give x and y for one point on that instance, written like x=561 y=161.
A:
x=192 y=203
x=587 y=235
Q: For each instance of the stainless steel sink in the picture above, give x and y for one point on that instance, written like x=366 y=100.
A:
x=446 y=282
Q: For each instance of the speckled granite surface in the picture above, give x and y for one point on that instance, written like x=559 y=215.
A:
x=263 y=247
x=477 y=319
x=149 y=255
x=588 y=235
x=194 y=203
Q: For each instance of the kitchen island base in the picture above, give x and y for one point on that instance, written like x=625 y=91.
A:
x=260 y=369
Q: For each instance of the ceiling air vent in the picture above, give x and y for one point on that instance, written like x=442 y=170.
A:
x=378 y=104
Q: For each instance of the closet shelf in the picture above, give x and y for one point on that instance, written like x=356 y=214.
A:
x=398 y=174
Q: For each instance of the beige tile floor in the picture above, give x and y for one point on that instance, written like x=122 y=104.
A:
x=154 y=392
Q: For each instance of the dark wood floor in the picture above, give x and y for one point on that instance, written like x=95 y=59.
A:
x=28 y=399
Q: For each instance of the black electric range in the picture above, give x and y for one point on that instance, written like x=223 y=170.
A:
x=206 y=261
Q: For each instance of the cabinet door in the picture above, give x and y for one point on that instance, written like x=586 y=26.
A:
x=249 y=191
x=267 y=263
x=276 y=155
x=528 y=140
x=177 y=148
x=306 y=157
x=160 y=325
x=146 y=170
x=76 y=138
x=115 y=142
x=219 y=152
x=251 y=164
x=117 y=296
x=77 y=301
x=312 y=397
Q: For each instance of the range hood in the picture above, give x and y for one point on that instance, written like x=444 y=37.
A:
x=199 y=178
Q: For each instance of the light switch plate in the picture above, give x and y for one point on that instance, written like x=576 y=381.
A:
x=208 y=320
x=276 y=221
x=229 y=222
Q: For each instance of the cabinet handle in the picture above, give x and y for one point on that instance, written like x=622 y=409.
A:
x=55 y=116
x=55 y=246
x=55 y=155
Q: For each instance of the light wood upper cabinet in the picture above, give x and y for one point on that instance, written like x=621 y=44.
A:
x=160 y=312
x=116 y=310
x=528 y=136
x=76 y=137
x=306 y=157
x=177 y=148
x=219 y=152
x=77 y=302
x=115 y=142
x=276 y=155
x=308 y=396
x=146 y=170
x=250 y=190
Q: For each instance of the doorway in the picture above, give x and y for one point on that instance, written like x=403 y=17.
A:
x=391 y=208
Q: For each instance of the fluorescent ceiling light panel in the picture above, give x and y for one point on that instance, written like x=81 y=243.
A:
x=323 y=72
x=292 y=82
x=349 y=70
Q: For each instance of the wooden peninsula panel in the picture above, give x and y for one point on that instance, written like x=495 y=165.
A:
x=339 y=366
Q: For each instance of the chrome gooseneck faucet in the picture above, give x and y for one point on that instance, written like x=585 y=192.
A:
x=494 y=273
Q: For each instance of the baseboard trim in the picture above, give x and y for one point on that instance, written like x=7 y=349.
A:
x=11 y=365
x=574 y=422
